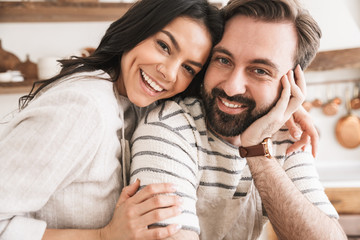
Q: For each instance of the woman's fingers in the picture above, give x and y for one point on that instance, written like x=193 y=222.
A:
x=303 y=119
x=153 y=189
x=309 y=133
x=161 y=232
x=300 y=144
x=158 y=202
x=160 y=214
x=128 y=192
x=294 y=130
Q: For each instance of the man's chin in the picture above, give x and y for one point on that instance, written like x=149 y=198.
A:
x=227 y=126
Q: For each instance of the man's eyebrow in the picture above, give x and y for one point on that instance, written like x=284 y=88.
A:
x=222 y=50
x=267 y=62
x=172 y=39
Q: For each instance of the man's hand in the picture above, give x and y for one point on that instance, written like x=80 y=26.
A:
x=292 y=96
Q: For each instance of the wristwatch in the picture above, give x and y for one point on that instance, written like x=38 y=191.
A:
x=262 y=149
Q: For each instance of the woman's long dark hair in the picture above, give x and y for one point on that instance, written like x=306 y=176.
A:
x=142 y=20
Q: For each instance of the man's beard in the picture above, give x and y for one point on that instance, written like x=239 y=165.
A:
x=229 y=125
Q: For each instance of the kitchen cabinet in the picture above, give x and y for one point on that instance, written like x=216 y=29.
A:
x=346 y=201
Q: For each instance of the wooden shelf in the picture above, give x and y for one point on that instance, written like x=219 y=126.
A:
x=20 y=87
x=61 y=11
x=336 y=59
x=345 y=200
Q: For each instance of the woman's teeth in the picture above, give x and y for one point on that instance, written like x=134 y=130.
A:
x=151 y=82
x=230 y=105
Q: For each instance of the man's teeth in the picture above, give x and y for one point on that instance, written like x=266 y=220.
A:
x=151 y=82
x=230 y=105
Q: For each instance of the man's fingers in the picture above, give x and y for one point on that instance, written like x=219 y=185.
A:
x=300 y=79
x=297 y=96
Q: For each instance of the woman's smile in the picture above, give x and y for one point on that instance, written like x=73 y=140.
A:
x=152 y=84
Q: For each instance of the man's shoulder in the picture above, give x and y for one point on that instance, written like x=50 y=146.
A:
x=188 y=109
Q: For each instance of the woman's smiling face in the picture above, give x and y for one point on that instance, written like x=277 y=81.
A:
x=164 y=64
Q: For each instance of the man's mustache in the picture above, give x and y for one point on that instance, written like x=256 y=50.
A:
x=216 y=92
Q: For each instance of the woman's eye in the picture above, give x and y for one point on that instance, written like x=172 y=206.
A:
x=163 y=46
x=189 y=69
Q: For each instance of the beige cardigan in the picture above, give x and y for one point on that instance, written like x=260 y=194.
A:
x=60 y=158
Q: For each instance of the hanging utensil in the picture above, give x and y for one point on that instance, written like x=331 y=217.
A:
x=355 y=102
x=347 y=129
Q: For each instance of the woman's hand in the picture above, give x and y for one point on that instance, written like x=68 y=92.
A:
x=135 y=211
x=304 y=134
x=292 y=96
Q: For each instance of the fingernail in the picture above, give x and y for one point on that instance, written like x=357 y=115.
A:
x=134 y=181
x=180 y=200
x=173 y=187
x=180 y=209
x=297 y=135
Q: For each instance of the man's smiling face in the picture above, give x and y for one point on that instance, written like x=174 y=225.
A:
x=242 y=82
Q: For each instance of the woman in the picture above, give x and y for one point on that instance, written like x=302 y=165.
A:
x=64 y=157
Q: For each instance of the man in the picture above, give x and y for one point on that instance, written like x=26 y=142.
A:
x=213 y=148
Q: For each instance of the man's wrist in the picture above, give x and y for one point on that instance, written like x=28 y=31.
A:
x=262 y=149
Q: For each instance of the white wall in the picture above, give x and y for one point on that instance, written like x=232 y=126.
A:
x=63 y=39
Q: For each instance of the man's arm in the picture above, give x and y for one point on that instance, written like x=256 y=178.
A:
x=291 y=214
x=162 y=153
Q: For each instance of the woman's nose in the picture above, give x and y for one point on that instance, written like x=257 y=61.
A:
x=168 y=71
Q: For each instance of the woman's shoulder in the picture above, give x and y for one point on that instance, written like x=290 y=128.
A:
x=85 y=88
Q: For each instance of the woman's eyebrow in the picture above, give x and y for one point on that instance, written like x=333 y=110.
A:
x=173 y=40
x=177 y=47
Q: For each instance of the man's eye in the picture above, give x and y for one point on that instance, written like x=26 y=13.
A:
x=163 y=46
x=223 y=60
x=261 y=71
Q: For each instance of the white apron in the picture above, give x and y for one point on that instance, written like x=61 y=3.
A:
x=230 y=219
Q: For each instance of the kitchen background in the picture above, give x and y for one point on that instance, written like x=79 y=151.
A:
x=43 y=42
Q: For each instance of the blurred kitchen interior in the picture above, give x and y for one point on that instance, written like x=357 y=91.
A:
x=332 y=82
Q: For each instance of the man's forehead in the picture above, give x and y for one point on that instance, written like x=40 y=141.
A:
x=250 y=38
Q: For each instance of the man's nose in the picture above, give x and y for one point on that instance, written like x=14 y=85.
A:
x=236 y=83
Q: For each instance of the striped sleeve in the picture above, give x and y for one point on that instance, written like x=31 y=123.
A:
x=300 y=168
x=162 y=152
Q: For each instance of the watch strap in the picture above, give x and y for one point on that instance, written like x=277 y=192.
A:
x=252 y=151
